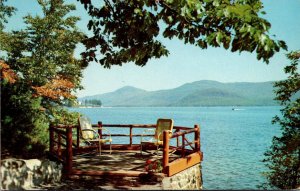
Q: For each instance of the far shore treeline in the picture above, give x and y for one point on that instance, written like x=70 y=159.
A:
x=89 y=102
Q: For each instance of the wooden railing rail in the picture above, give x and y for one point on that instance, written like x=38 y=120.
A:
x=180 y=133
x=194 y=145
x=179 y=130
x=56 y=140
x=184 y=162
x=62 y=138
x=130 y=126
x=138 y=126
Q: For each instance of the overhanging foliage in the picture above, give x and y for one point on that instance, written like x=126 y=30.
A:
x=128 y=30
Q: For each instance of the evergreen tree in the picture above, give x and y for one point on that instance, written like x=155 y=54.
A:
x=283 y=157
x=92 y=102
x=46 y=75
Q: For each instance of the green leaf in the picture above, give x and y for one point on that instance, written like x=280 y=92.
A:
x=282 y=44
x=219 y=37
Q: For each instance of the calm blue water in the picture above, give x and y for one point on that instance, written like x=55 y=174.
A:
x=233 y=142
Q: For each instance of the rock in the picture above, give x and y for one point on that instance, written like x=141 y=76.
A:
x=33 y=164
x=26 y=174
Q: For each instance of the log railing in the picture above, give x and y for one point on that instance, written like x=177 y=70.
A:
x=61 y=136
x=63 y=144
x=130 y=126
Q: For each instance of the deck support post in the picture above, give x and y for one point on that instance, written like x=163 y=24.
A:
x=165 y=150
x=69 y=153
x=197 y=138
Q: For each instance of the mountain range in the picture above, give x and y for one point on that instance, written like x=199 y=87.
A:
x=199 y=93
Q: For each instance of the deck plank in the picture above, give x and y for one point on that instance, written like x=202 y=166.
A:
x=116 y=161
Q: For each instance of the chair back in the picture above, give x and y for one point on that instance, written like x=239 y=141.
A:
x=162 y=125
x=85 y=123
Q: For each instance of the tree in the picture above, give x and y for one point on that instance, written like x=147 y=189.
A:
x=92 y=102
x=5 y=11
x=46 y=76
x=127 y=31
x=283 y=157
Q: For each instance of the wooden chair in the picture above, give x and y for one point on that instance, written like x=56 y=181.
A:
x=161 y=126
x=90 y=136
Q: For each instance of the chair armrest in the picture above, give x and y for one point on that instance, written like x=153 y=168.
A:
x=148 y=130
x=92 y=130
x=169 y=131
x=104 y=129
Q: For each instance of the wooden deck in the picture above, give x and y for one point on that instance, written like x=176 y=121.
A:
x=118 y=160
x=125 y=159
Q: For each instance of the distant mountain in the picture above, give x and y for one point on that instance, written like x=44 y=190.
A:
x=200 y=93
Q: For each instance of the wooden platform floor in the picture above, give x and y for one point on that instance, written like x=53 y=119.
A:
x=116 y=161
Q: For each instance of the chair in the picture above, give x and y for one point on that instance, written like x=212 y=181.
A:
x=91 y=136
x=161 y=126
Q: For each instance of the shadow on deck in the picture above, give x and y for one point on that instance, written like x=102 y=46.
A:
x=118 y=160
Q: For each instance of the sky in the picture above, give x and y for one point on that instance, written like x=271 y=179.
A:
x=185 y=63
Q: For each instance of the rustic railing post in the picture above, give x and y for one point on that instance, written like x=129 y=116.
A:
x=69 y=153
x=59 y=145
x=78 y=137
x=177 y=138
x=183 y=146
x=100 y=128
x=51 y=139
x=130 y=138
x=165 y=150
x=197 y=138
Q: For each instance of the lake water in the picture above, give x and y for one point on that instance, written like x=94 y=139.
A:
x=232 y=141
